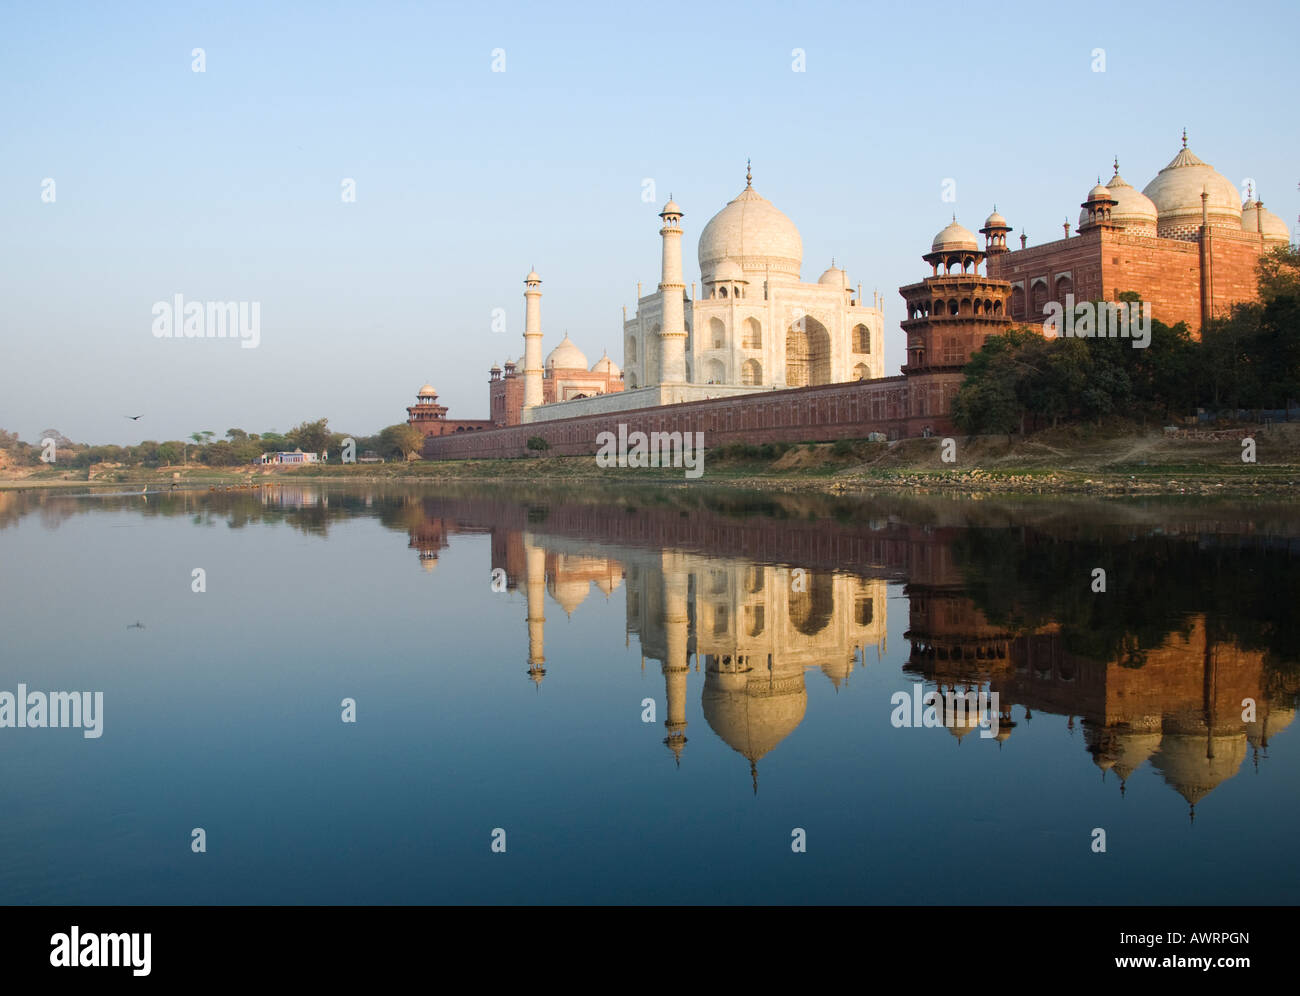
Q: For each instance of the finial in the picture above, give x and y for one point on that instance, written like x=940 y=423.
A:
x=1099 y=180
x=1184 y=138
x=1250 y=190
x=1117 y=165
x=749 y=173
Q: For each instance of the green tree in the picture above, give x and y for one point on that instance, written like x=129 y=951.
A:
x=401 y=440
x=311 y=437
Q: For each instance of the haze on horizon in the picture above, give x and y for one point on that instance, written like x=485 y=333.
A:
x=225 y=184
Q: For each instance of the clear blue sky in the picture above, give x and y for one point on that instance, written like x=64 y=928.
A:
x=225 y=185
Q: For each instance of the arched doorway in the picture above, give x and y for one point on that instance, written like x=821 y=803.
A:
x=807 y=353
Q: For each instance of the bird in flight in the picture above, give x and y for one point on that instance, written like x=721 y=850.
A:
x=136 y=625
x=134 y=418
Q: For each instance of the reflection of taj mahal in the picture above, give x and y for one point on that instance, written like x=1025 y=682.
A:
x=754 y=629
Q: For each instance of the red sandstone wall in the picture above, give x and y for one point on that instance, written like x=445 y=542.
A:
x=1165 y=272
x=827 y=412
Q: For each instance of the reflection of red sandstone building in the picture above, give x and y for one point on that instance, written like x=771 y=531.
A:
x=565 y=377
x=431 y=418
x=1185 y=244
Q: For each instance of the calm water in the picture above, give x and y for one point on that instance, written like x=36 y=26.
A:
x=501 y=647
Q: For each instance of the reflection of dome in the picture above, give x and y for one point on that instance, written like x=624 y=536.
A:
x=605 y=365
x=1134 y=210
x=1270 y=721
x=1183 y=762
x=566 y=356
x=569 y=594
x=838 y=669
x=954 y=237
x=753 y=716
x=753 y=232
x=1132 y=749
x=834 y=277
x=609 y=584
x=1176 y=193
x=428 y=561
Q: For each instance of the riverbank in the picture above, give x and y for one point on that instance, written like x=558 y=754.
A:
x=1067 y=461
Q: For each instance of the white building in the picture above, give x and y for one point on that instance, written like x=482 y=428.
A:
x=754 y=326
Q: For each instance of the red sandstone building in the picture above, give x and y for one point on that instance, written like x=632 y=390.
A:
x=431 y=418
x=1186 y=244
x=564 y=378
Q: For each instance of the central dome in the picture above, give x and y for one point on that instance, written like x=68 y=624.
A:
x=752 y=231
x=1176 y=193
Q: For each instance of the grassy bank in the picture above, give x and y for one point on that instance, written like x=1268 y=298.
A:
x=1074 y=460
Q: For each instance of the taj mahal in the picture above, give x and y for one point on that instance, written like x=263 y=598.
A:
x=752 y=324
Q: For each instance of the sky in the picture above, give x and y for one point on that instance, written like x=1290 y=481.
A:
x=228 y=184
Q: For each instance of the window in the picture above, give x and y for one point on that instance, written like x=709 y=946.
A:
x=861 y=339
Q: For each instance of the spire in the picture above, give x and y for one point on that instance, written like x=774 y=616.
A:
x=1117 y=165
x=749 y=174
x=1250 y=190
x=1184 y=138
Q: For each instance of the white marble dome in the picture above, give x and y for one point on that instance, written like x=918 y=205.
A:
x=834 y=277
x=427 y=392
x=605 y=365
x=1256 y=218
x=1176 y=193
x=953 y=238
x=566 y=356
x=754 y=233
x=1134 y=210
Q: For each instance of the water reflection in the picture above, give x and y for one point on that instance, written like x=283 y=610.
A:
x=1186 y=664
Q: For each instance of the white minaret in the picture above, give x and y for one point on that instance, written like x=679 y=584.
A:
x=533 y=340
x=672 y=340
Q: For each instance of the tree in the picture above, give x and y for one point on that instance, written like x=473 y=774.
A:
x=311 y=437
x=401 y=440
x=1278 y=273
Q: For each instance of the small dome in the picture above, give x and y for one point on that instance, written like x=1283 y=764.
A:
x=566 y=356
x=671 y=208
x=834 y=277
x=427 y=392
x=1256 y=218
x=1101 y=192
x=953 y=238
x=995 y=220
x=532 y=278
x=605 y=365
x=1133 y=209
x=729 y=269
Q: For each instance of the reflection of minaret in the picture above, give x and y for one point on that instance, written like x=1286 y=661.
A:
x=675 y=663
x=535 y=583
